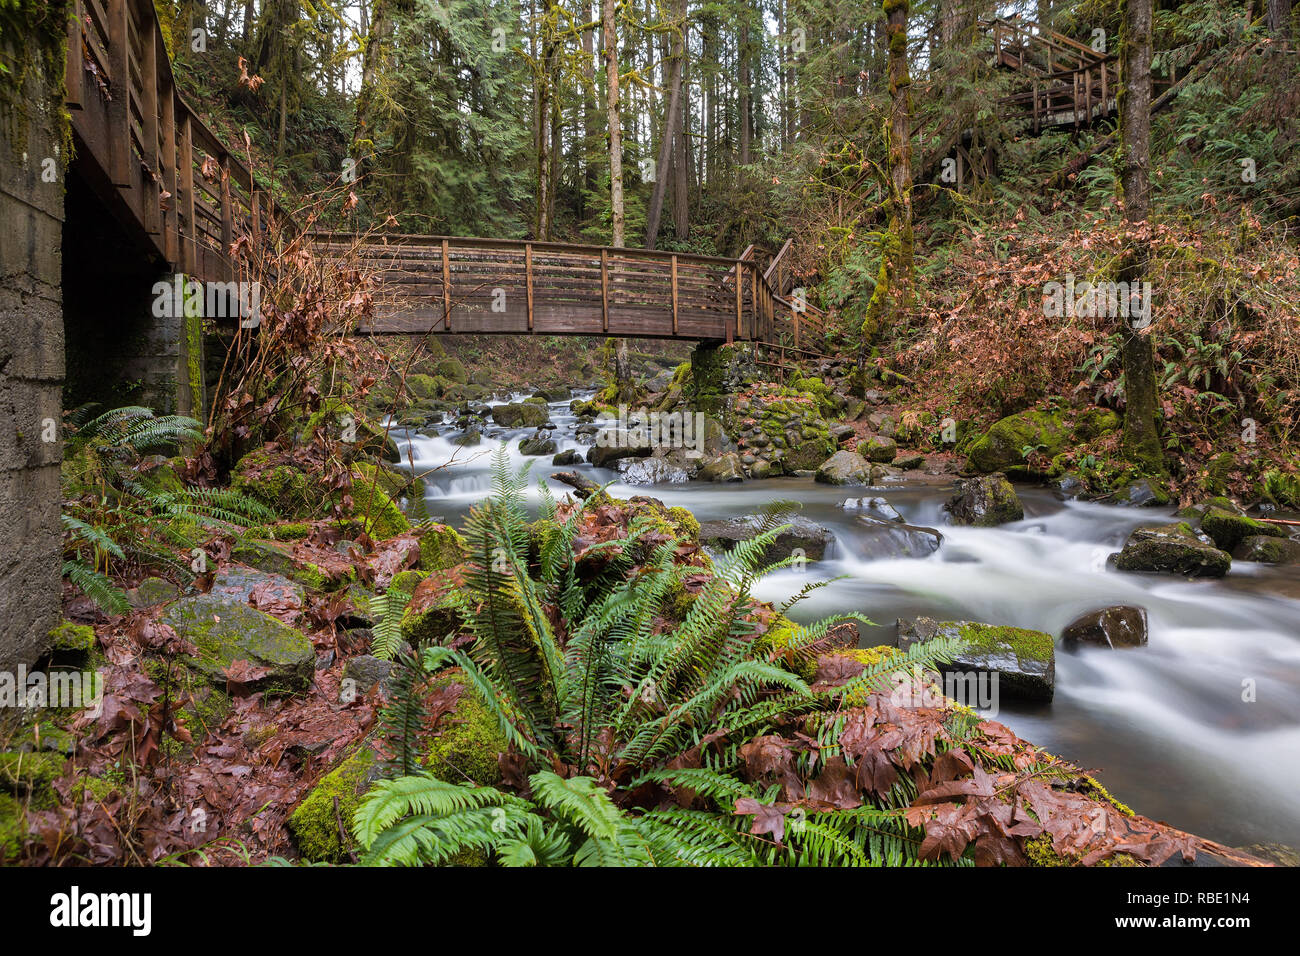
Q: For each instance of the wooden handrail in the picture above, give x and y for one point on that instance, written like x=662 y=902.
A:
x=152 y=147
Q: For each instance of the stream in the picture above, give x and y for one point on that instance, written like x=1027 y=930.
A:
x=1165 y=727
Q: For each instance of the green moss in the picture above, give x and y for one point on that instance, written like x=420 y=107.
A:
x=30 y=775
x=1025 y=644
x=317 y=578
x=452 y=370
x=1229 y=529
x=13 y=828
x=687 y=526
x=425 y=386
x=72 y=638
x=1039 y=851
x=379 y=513
x=315 y=824
x=279 y=486
x=468 y=740
x=441 y=547
x=287 y=531
x=1005 y=445
x=407 y=581
x=194 y=362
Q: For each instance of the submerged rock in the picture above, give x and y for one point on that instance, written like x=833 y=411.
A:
x=803 y=535
x=1024 y=660
x=1119 y=626
x=874 y=507
x=520 y=415
x=1173 y=549
x=984 y=502
x=1266 y=549
x=889 y=539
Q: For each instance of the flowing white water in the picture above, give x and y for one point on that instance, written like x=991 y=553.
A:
x=1169 y=728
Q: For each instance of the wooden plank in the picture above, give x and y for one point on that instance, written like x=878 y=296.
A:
x=189 y=234
x=446 y=286
x=119 y=107
x=734 y=331
x=150 y=112
x=674 y=295
x=604 y=290
x=171 y=237
x=528 y=280
x=227 y=212
x=75 y=73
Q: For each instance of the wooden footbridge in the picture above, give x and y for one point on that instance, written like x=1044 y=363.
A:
x=171 y=182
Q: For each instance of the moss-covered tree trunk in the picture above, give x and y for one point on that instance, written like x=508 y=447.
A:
x=1141 y=441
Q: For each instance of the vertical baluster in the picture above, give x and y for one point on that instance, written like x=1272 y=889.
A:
x=528 y=280
x=446 y=285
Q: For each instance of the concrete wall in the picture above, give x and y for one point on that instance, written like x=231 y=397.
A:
x=31 y=351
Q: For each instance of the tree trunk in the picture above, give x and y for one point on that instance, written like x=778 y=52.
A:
x=665 y=167
x=900 y=150
x=1141 y=439
x=682 y=153
x=1279 y=17
x=746 y=120
x=609 y=37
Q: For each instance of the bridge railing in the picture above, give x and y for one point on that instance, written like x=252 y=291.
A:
x=153 y=159
x=499 y=286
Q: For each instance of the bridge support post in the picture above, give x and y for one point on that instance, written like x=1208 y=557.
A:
x=31 y=345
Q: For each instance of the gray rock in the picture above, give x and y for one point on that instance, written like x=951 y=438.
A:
x=152 y=591
x=520 y=414
x=984 y=502
x=1140 y=494
x=609 y=448
x=1266 y=549
x=368 y=671
x=1119 y=626
x=881 y=539
x=1024 y=660
x=468 y=438
x=803 y=534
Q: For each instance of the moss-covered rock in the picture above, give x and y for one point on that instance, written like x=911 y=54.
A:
x=424 y=386
x=1024 y=660
x=441 y=547
x=29 y=776
x=69 y=639
x=520 y=415
x=433 y=612
x=225 y=630
x=315 y=822
x=1228 y=530
x=452 y=370
x=378 y=513
x=1171 y=548
x=1007 y=444
x=277 y=484
x=985 y=501
x=467 y=741
x=878 y=449
x=1095 y=422
x=1267 y=549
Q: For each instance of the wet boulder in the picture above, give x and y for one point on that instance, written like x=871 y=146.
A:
x=844 y=468
x=1023 y=660
x=537 y=446
x=610 y=446
x=1172 y=549
x=882 y=539
x=984 y=502
x=520 y=415
x=1115 y=627
x=725 y=467
x=1266 y=549
x=567 y=457
x=804 y=536
x=1228 y=529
